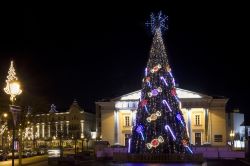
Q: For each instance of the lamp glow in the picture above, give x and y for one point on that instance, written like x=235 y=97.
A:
x=12 y=85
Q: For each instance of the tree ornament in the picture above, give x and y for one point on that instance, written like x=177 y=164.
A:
x=184 y=142
x=168 y=68
x=144 y=102
x=147 y=79
x=156 y=68
x=155 y=142
x=173 y=92
x=149 y=94
x=154 y=116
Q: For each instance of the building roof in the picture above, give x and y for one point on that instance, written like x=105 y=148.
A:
x=181 y=93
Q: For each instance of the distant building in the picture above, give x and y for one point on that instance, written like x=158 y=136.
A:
x=70 y=127
x=204 y=115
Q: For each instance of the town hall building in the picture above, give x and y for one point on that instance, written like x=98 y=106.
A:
x=205 y=118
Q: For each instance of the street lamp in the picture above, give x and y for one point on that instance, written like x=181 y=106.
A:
x=13 y=89
x=232 y=138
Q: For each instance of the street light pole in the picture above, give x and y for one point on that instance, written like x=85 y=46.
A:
x=13 y=89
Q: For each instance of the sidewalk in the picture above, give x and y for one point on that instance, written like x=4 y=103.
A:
x=25 y=161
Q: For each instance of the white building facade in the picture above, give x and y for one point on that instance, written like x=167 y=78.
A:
x=204 y=115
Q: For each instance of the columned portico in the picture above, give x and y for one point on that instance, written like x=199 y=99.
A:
x=204 y=117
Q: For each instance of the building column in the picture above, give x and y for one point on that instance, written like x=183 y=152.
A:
x=43 y=130
x=189 y=125
x=210 y=127
x=67 y=127
x=116 y=120
x=49 y=130
x=37 y=130
x=206 y=124
x=56 y=123
x=82 y=128
x=61 y=126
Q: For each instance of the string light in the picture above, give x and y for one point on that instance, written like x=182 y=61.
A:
x=139 y=129
x=169 y=129
x=166 y=103
x=162 y=78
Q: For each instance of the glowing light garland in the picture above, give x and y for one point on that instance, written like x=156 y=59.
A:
x=139 y=130
x=178 y=116
x=173 y=81
x=146 y=109
x=189 y=149
x=162 y=78
x=169 y=129
x=166 y=103
x=129 y=145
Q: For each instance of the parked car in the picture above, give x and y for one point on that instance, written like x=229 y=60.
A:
x=16 y=154
x=3 y=155
x=26 y=153
x=34 y=153
x=68 y=147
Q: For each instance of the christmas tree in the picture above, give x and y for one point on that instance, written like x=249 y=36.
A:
x=160 y=126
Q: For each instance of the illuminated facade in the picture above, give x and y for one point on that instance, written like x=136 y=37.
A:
x=70 y=126
x=204 y=115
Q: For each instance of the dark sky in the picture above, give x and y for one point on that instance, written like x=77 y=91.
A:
x=68 y=51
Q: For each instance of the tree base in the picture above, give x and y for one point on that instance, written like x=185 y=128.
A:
x=158 y=158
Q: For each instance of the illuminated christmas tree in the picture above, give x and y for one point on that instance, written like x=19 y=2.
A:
x=160 y=126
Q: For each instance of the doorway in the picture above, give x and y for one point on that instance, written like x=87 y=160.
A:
x=127 y=136
x=197 y=139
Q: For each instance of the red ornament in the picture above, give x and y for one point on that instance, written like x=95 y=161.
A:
x=184 y=142
x=173 y=92
x=156 y=68
x=147 y=79
x=155 y=142
x=144 y=102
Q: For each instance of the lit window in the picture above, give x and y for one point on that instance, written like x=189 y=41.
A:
x=197 y=120
x=127 y=121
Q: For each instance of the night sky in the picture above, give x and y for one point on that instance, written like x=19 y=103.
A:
x=94 y=51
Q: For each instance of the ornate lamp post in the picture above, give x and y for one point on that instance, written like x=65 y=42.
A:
x=13 y=89
x=232 y=138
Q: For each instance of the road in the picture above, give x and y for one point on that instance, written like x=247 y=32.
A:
x=43 y=161
x=36 y=160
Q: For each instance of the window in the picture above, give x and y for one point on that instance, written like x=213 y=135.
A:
x=197 y=120
x=217 y=138
x=127 y=121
